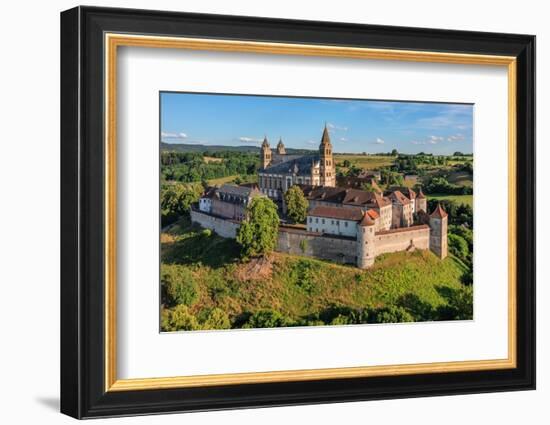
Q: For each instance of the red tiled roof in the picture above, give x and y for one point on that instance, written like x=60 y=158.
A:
x=373 y=214
x=399 y=197
x=351 y=214
x=367 y=220
x=439 y=212
x=421 y=194
x=339 y=195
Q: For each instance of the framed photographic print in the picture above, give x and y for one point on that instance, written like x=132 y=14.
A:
x=261 y=212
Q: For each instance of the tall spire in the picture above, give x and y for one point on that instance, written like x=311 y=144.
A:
x=281 y=147
x=265 y=143
x=325 y=139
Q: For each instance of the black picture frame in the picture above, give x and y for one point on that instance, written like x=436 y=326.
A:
x=83 y=392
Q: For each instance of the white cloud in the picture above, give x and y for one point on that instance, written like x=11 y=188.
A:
x=434 y=140
x=379 y=141
x=455 y=138
x=336 y=127
x=312 y=142
x=169 y=135
x=416 y=142
x=249 y=140
x=343 y=139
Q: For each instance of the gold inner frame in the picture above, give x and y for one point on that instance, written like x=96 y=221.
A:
x=113 y=41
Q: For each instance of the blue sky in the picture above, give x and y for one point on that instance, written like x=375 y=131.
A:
x=355 y=125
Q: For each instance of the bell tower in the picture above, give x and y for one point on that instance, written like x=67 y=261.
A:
x=281 y=147
x=265 y=153
x=326 y=164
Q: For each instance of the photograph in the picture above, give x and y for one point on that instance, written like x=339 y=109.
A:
x=281 y=211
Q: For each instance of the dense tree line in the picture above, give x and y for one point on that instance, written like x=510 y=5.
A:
x=441 y=185
x=459 y=214
x=192 y=166
x=176 y=200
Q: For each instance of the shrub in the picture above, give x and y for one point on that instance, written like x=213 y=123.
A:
x=390 y=314
x=460 y=305
x=267 y=319
x=341 y=320
x=339 y=315
x=178 y=319
x=303 y=276
x=179 y=285
x=216 y=319
x=459 y=247
x=466 y=233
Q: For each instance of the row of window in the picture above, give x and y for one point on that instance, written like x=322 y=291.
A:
x=337 y=222
x=231 y=198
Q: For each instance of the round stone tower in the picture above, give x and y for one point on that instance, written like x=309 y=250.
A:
x=366 y=251
x=266 y=153
x=438 y=232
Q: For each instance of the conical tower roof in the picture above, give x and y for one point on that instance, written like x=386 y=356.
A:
x=265 y=143
x=325 y=139
x=280 y=144
x=439 y=212
x=366 y=220
x=420 y=194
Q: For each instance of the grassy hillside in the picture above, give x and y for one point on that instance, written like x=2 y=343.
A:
x=286 y=290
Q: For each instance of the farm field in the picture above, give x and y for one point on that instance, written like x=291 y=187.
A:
x=459 y=199
x=368 y=162
x=461 y=178
x=221 y=180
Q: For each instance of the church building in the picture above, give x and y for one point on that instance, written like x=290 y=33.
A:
x=280 y=171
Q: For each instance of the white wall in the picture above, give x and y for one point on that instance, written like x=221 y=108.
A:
x=332 y=226
x=29 y=224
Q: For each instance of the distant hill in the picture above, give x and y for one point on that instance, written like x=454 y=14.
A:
x=184 y=147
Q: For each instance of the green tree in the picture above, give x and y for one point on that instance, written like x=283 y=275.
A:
x=296 y=204
x=267 y=319
x=178 y=319
x=394 y=152
x=458 y=247
x=459 y=305
x=367 y=187
x=216 y=319
x=391 y=314
x=178 y=285
x=258 y=233
x=176 y=200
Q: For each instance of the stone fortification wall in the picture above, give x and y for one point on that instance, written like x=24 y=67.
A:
x=223 y=227
x=403 y=239
x=300 y=242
